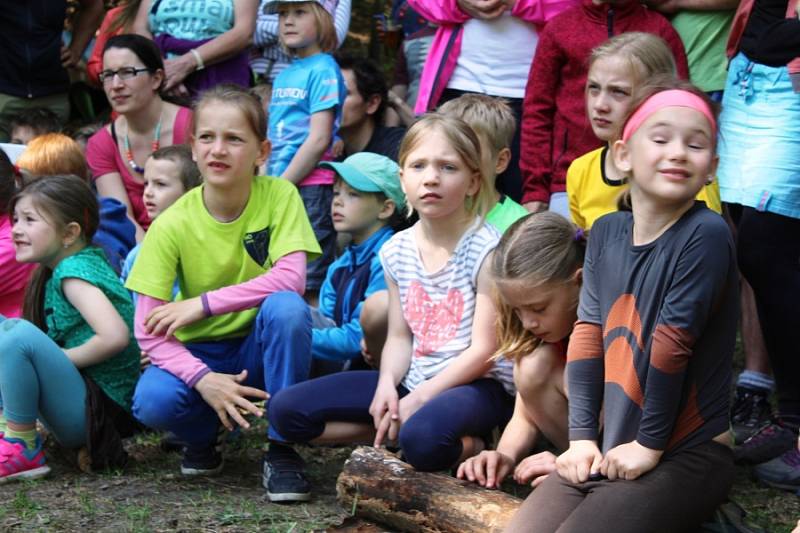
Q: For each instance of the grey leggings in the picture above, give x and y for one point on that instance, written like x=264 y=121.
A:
x=678 y=495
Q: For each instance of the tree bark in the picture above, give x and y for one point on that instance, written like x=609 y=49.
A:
x=380 y=487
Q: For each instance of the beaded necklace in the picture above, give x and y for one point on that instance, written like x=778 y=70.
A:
x=154 y=146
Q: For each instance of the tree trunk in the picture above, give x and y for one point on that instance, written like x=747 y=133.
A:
x=380 y=487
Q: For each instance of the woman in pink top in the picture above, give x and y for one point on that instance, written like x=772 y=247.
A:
x=132 y=76
x=13 y=276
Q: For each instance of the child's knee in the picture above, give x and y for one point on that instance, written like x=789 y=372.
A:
x=286 y=309
x=15 y=334
x=374 y=313
x=541 y=370
x=426 y=447
x=290 y=422
x=157 y=398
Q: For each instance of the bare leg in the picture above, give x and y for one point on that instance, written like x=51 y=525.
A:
x=541 y=386
x=346 y=432
x=470 y=446
x=756 y=357
x=374 y=323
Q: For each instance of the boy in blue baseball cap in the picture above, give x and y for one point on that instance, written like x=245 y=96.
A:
x=369 y=206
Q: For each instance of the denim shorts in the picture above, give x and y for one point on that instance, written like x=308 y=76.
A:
x=317 y=200
x=759 y=139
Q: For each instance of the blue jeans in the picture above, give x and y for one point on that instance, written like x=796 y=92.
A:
x=317 y=200
x=276 y=354
x=430 y=438
x=38 y=381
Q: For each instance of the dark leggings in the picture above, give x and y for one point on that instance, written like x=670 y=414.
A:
x=768 y=250
x=430 y=439
x=678 y=495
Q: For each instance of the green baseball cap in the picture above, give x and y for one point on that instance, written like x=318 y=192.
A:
x=368 y=172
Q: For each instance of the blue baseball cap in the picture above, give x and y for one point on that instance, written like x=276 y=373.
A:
x=368 y=172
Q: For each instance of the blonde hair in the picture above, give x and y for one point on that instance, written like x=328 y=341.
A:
x=537 y=249
x=466 y=144
x=52 y=154
x=326 y=31
x=647 y=54
x=491 y=118
x=239 y=97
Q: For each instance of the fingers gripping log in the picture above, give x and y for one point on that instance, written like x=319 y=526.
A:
x=382 y=488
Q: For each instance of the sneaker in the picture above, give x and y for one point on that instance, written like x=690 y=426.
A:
x=283 y=475
x=201 y=461
x=782 y=472
x=17 y=462
x=170 y=442
x=770 y=441
x=750 y=411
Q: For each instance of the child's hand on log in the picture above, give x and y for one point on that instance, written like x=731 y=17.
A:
x=487 y=469
x=535 y=468
x=384 y=409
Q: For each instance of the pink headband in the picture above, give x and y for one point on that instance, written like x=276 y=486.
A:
x=658 y=101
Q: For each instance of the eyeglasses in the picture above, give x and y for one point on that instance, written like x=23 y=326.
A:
x=125 y=73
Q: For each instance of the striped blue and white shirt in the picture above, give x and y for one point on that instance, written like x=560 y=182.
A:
x=439 y=306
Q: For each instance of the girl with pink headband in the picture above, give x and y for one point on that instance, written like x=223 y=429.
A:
x=651 y=350
x=617 y=68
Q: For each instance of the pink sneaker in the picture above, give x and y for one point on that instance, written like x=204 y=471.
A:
x=17 y=462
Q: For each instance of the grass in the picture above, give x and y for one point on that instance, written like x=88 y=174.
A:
x=151 y=496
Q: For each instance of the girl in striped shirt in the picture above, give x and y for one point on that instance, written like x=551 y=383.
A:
x=438 y=390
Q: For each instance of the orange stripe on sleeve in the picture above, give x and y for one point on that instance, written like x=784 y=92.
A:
x=671 y=349
x=585 y=342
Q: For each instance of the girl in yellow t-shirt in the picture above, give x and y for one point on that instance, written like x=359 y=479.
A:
x=616 y=68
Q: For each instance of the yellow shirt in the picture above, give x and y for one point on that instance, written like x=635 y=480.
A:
x=207 y=254
x=591 y=194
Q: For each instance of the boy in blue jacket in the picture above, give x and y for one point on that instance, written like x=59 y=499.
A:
x=368 y=205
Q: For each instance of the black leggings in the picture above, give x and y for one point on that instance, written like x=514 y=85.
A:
x=769 y=258
x=678 y=495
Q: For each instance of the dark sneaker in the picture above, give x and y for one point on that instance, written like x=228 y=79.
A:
x=170 y=442
x=770 y=441
x=749 y=412
x=283 y=475
x=205 y=461
x=782 y=472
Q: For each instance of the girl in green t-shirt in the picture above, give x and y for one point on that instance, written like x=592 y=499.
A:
x=75 y=347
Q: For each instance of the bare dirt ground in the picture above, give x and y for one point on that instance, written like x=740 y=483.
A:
x=151 y=495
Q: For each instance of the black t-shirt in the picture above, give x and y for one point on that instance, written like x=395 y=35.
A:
x=386 y=141
x=769 y=37
x=30 y=40
x=666 y=315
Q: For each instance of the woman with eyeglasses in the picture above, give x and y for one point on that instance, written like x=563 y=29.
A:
x=132 y=78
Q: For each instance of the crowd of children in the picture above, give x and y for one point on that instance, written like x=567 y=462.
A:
x=590 y=317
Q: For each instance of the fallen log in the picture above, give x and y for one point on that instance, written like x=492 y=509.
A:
x=378 y=486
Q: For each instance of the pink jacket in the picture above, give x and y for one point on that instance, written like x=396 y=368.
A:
x=13 y=276
x=446 y=45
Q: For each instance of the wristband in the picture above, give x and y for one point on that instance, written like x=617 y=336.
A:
x=206 y=307
x=198 y=58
